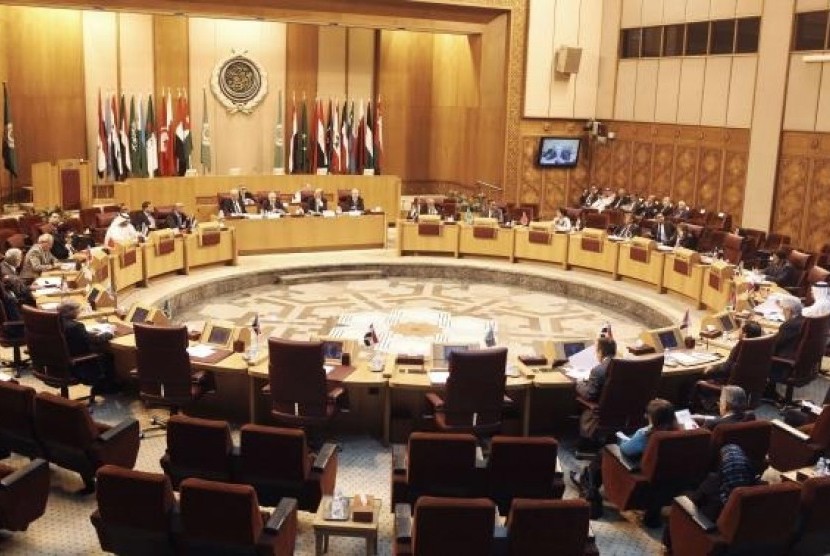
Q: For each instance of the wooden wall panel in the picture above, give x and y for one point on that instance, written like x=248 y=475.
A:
x=662 y=170
x=709 y=176
x=171 y=52
x=641 y=165
x=100 y=68
x=626 y=90
x=722 y=9
x=331 y=62
x=822 y=120
x=734 y=180
x=652 y=12
x=674 y=11
x=135 y=36
x=566 y=33
x=533 y=184
x=360 y=81
x=692 y=73
x=490 y=137
x=301 y=60
x=697 y=9
x=744 y=8
x=46 y=83
x=632 y=13
x=685 y=172
x=587 y=80
x=810 y=5
x=622 y=164
x=608 y=51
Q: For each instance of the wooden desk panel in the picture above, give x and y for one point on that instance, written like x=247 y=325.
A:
x=125 y=276
x=716 y=288
x=554 y=252
x=688 y=285
x=225 y=251
x=650 y=271
x=309 y=233
x=156 y=264
x=606 y=260
x=499 y=246
x=410 y=241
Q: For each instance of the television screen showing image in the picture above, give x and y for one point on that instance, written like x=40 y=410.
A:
x=572 y=348
x=726 y=323
x=667 y=339
x=139 y=315
x=332 y=350
x=558 y=152
x=219 y=335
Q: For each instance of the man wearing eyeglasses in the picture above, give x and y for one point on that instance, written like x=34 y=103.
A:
x=39 y=258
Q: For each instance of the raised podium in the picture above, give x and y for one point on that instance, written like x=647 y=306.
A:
x=66 y=183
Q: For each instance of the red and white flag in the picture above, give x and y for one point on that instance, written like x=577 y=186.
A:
x=334 y=166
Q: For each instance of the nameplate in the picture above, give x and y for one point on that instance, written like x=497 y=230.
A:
x=714 y=281
x=538 y=236
x=681 y=266
x=429 y=229
x=208 y=238
x=128 y=257
x=484 y=232
x=591 y=244
x=404 y=359
x=165 y=246
x=638 y=254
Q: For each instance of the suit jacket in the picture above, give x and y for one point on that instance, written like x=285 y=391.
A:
x=670 y=232
x=784 y=275
x=737 y=417
x=176 y=220
x=36 y=261
x=141 y=219
x=77 y=337
x=788 y=337
x=227 y=206
x=591 y=388
x=425 y=209
x=682 y=214
x=312 y=205
x=620 y=202
x=277 y=206
x=688 y=241
x=627 y=230
x=351 y=204
x=15 y=285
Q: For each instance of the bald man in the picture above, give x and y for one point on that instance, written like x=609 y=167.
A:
x=233 y=204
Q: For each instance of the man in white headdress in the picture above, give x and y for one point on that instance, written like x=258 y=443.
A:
x=121 y=229
x=821 y=301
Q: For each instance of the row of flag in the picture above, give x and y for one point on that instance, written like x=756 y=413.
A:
x=338 y=139
x=137 y=143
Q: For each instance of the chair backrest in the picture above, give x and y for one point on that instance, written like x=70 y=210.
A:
x=296 y=375
x=441 y=464
x=752 y=365
x=629 y=385
x=810 y=349
x=526 y=464
x=17 y=410
x=820 y=433
x=46 y=342
x=776 y=241
x=817 y=274
x=238 y=524
x=475 y=387
x=273 y=453
x=596 y=220
x=733 y=245
x=801 y=260
x=760 y=514
x=573 y=213
x=676 y=455
x=162 y=362
x=134 y=499
x=815 y=505
x=453 y=526
x=199 y=444
x=547 y=526
x=752 y=437
x=63 y=422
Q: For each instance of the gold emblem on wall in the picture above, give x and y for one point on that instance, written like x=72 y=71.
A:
x=239 y=82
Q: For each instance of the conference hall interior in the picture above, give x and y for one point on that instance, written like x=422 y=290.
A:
x=415 y=277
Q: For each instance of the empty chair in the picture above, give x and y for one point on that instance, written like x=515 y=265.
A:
x=136 y=512
x=523 y=467
x=750 y=369
x=753 y=437
x=11 y=335
x=23 y=494
x=548 y=527
x=445 y=527
x=733 y=248
x=239 y=527
x=474 y=393
x=792 y=448
x=755 y=520
x=596 y=220
x=672 y=462
x=299 y=393
x=197 y=448
x=805 y=364
x=802 y=262
x=17 y=420
x=434 y=464
x=278 y=464
x=814 y=525
x=71 y=439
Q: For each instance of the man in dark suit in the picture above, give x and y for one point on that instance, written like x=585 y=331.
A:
x=354 y=202
x=681 y=211
x=589 y=196
x=177 y=219
x=493 y=211
x=415 y=209
x=273 y=205
x=98 y=372
x=233 y=204
x=629 y=228
x=317 y=204
x=622 y=200
x=144 y=221
x=591 y=388
x=780 y=271
x=12 y=282
x=786 y=342
x=732 y=408
x=685 y=238
x=430 y=207
x=649 y=208
x=664 y=231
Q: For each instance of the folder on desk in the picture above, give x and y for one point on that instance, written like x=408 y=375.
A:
x=438 y=376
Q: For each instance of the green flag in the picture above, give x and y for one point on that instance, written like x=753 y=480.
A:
x=135 y=152
x=279 y=134
x=205 y=158
x=304 y=165
x=9 y=154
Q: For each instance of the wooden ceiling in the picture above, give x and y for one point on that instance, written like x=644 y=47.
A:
x=412 y=15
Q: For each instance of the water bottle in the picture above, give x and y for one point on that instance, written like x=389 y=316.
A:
x=253 y=349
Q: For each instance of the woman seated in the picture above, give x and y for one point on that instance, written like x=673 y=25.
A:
x=561 y=222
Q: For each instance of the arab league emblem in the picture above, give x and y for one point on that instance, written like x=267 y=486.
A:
x=239 y=83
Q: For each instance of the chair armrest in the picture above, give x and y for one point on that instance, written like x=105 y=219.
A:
x=627 y=463
x=25 y=473
x=399 y=463
x=783 y=360
x=321 y=461
x=403 y=523
x=12 y=323
x=689 y=507
x=85 y=358
x=335 y=393
x=435 y=401
x=118 y=430
x=792 y=431
x=284 y=509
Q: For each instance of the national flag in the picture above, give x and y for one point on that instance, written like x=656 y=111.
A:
x=369 y=141
x=205 y=154
x=101 y=154
x=164 y=135
x=123 y=137
x=353 y=144
x=345 y=137
x=135 y=152
x=335 y=165
x=359 y=145
x=606 y=331
x=371 y=337
x=490 y=336
x=292 y=145
x=184 y=145
x=314 y=154
x=188 y=137
x=151 y=141
x=686 y=322
x=142 y=138
x=279 y=137
x=322 y=161
x=9 y=152
x=114 y=141
x=170 y=156
x=303 y=140
x=378 y=137
x=255 y=325
x=329 y=138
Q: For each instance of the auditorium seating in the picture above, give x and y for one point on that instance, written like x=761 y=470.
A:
x=547 y=527
x=814 y=523
x=197 y=448
x=733 y=248
x=792 y=448
x=802 y=262
x=240 y=527
x=23 y=494
x=11 y=336
x=755 y=520
x=753 y=437
x=805 y=364
x=522 y=467
x=71 y=439
x=17 y=420
x=444 y=527
x=750 y=370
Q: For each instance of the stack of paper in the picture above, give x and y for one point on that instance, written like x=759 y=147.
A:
x=200 y=350
x=438 y=377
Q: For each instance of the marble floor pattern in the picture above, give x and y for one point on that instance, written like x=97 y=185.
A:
x=364 y=466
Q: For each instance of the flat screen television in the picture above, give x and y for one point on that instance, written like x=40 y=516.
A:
x=558 y=152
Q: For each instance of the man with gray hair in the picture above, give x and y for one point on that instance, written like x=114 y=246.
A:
x=786 y=342
x=39 y=258
x=732 y=408
x=11 y=279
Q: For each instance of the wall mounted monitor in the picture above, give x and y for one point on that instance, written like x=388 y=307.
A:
x=558 y=152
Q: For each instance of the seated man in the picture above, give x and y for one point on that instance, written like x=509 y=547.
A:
x=663 y=231
x=144 y=221
x=786 y=341
x=39 y=258
x=589 y=196
x=177 y=219
x=318 y=203
x=720 y=373
x=415 y=209
x=493 y=211
x=233 y=204
x=97 y=373
x=354 y=202
x=622 y=201
x=681 y=211
x=732 y=408
x=780 y=270
x=820 y=307
x=629 y=228
x=591 y=388
x=685 y=238
x=430 y=208
x=12 y=282
x=61 y=238
x=273 y=205
x=121 y=230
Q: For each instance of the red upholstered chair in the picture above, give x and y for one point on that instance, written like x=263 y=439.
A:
x=136 y=512
x=750 y=371
x=755 y=520
x=719 y=221
x=11 y=336
x=161 y=213
x=548 y=527
x=733 y=248
x=71 y=439
x=444 y=527
x=102 y=223
x=278 y=464
x=523 y=467
x=672 y=462
x=802 y=262
x=792 y=448
x=23 y=494
x=435 y=464
x=299 y=393
x=240 y=527
x=629 y=385
x=753 y=437
x=776 y=241
x=598 y=220
x=574 y=214
x=197 y=448
x=805 y=365
x=474 y=399
x=17 y=420
x=814 y=525
x=87 y=216
x=9 y=224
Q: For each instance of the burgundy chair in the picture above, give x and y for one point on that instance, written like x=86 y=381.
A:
x=161 y=213
x=12 y=337
x=792 y=448
x=805 y=364
x=71 y=439
x=17 y=420
x=672 y=462
x=23 y=494
x=297 y=386
x=523 y=467
x=733 y=248
x=814 y=275
x=549 y=527
x=753 y=437
x=776 y=241
x=814 y=525
x=87 y=216
x=750 y=370
x=719 y=221
x=445 y=527
x=802 y=262
x=197 y=448
x=10 y=224
x=474 y=395
x=696 y=232
x=598 y=220
x=136 y=512
x=435 y=464
x=240 y=527
x=574 y=214
x=102 y=223
x=278 y=464
x=756 y=520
